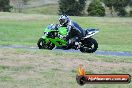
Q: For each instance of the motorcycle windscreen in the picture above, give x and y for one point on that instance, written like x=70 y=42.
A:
x=48 y=28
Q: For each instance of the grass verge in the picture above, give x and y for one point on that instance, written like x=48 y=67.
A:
x=23 y=68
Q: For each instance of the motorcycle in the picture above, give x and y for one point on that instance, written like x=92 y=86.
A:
x=53 y=37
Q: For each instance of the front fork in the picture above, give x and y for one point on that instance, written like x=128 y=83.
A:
x=45 y=38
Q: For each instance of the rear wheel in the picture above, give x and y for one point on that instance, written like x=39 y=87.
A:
x=89 y=45
x=42 y=44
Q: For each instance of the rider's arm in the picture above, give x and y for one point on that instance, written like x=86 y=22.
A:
x=69 y=27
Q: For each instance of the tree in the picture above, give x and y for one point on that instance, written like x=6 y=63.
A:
x=109 y=3
x=71 y=7
x=5 y=5
x=25 y=2
x=130 y=2
x=82 y=4
x=122 y=12
x=130 y=13
x=96 y=9
x=118 y=6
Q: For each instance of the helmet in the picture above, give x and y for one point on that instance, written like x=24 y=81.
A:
x=63 y=19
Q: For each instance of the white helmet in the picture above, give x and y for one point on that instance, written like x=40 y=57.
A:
x=64 y=19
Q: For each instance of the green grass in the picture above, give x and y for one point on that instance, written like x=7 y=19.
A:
x=23 y=68
x=25 y=29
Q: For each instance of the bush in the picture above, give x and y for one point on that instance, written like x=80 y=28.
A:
x=130 y=13
x=122 y=12
x=5 y=5
x=96 y=9
x=71 y=7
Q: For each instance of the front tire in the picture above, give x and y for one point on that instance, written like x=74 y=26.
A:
x=89 y=45
x=42 y=45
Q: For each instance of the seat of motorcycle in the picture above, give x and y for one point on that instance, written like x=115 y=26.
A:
x=83 y=33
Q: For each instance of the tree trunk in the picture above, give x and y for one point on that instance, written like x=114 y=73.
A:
x=111 y=10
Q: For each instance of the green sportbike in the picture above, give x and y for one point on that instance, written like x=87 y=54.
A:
x=53 y=37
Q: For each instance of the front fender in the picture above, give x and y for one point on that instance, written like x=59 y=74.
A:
x=45 y=38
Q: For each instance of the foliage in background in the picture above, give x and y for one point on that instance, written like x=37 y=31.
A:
x=19 y=5
x=130 y=14
x=25 y=2
x=96 y=9
x=5 y=5
x=118 y=6
x=122 y=12
x=72 y=7
x=82 y=5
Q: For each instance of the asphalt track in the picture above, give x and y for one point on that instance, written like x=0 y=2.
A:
x=98 y=52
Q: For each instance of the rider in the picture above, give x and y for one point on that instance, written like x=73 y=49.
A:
x=74 y=30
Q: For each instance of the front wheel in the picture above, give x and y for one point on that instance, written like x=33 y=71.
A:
x=89 y=45
x=42 y=44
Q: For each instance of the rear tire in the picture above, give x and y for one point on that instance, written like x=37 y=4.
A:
x=89 y=45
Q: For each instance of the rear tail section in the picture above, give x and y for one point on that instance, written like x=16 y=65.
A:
x=90 y=32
